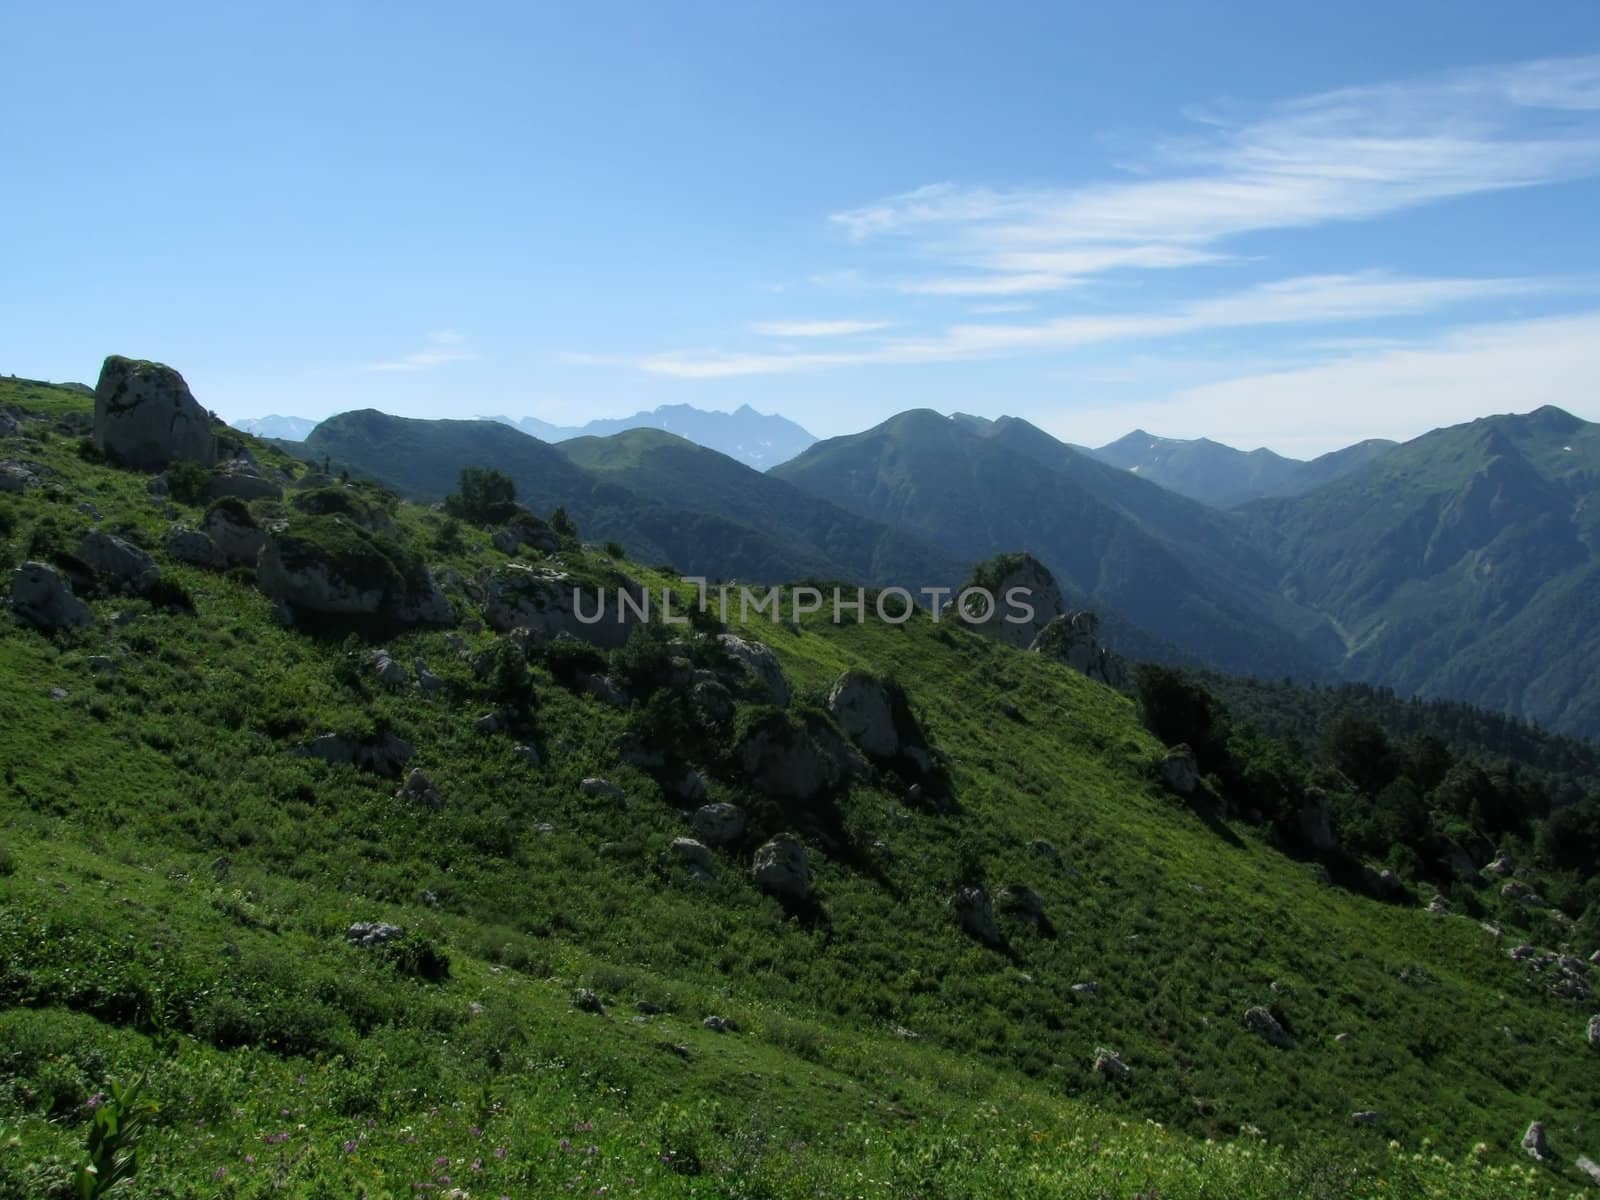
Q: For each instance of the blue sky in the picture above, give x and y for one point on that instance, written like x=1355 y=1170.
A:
x=1287 y=225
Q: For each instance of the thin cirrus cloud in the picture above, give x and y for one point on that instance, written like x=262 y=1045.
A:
x=1396 y=391
x=442 y=347
x=1346 y=155
x=1305 y=299
x=817 y=329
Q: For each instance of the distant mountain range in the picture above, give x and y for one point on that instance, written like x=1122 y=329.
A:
x=1462 y=564
x=1223 y=477
x=755 y=439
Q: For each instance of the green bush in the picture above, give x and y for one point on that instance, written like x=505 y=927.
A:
x=188 y=482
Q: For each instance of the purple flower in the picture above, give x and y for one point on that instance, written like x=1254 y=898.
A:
x=565 y=1145
x=474 y=1131
x=441 y=1161
x=95 y=1101
x=220 y=1173
x=351 y=1146
x=583 y=1127
x=499 y=1151
x=477 y=1164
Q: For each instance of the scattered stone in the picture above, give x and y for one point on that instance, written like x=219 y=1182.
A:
x=58 y=694
x=904 y=1034
x=1023 y=901
x=372 y=933
x=1439 y=905
x=528 y=753
x=1087 y=992
x=190 y=546
x=585 y=1000
x=780 y=868
x=1045 y=850
x=1589 y=1167
x=718 y=824
x=1180 y=771
x=388 y=672
x=145 y=417
x=525 y=529
x=694 y=855
x=1366 y=1117
x=1501 y=864
x=1384 y=883
x=41 y=597
x=385 y=756
x=419 y=789
x=1341 y=1038
x=648 y=1007
x=488 y=723
x=1110 y=1064
x=1594 y=1032
x=102 y=663
x=18 y=477
x=975 y=914
x=607 y=690
x=600 y=789
x=721 y=1024
x=1534 y=1142
x=761 y=667
x=117 y=562
x=426 y=679
x=691 y=789
x=1264 y=1025
x=1519 y=892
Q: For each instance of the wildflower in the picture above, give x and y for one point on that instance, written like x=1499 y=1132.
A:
x=95 y=1101
x=350 y=1146
x=477 y=1164
x=565 y=1145
x=441 y=1161
x=220 y=1173
x=250 y=1159
x=499 y=1151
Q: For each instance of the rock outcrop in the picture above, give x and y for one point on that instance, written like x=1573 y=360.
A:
x=863 y=707
x=1315 y=821
x=763 y=675
x=243 y=481
x=542 y=600
x=1534 y=1142
x=1011 y=575
x=41 y=597
x=718 y=824
x=384 y=755
x=235 y=533
x=795 y=760
x=338 y=570
x=1073 y=639
x=145 y=417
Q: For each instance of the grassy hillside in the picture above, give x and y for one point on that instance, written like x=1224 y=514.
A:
x=175 y=884
x=1461 y=564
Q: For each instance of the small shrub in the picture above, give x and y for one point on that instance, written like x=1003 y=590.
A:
x=615 y=550
x=187 y=482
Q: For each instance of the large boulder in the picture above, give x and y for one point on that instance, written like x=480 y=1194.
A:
x=546 y=601
x=1534 y=1143
x=1002 y=577
x=1264 y=1025
x=1073 y=639
x=865 y=710
x=41 y=597
x=975 y=914
x=19 y=477
x=117 y=562
x=145 y=417
x=760 y=666
x=780 y=868
x=190 y=546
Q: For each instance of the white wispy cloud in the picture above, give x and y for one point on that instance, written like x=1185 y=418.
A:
x=1351 y=154
x=1397 y=391
x=1305 y=299
x=441 y=347
x=817 y=329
